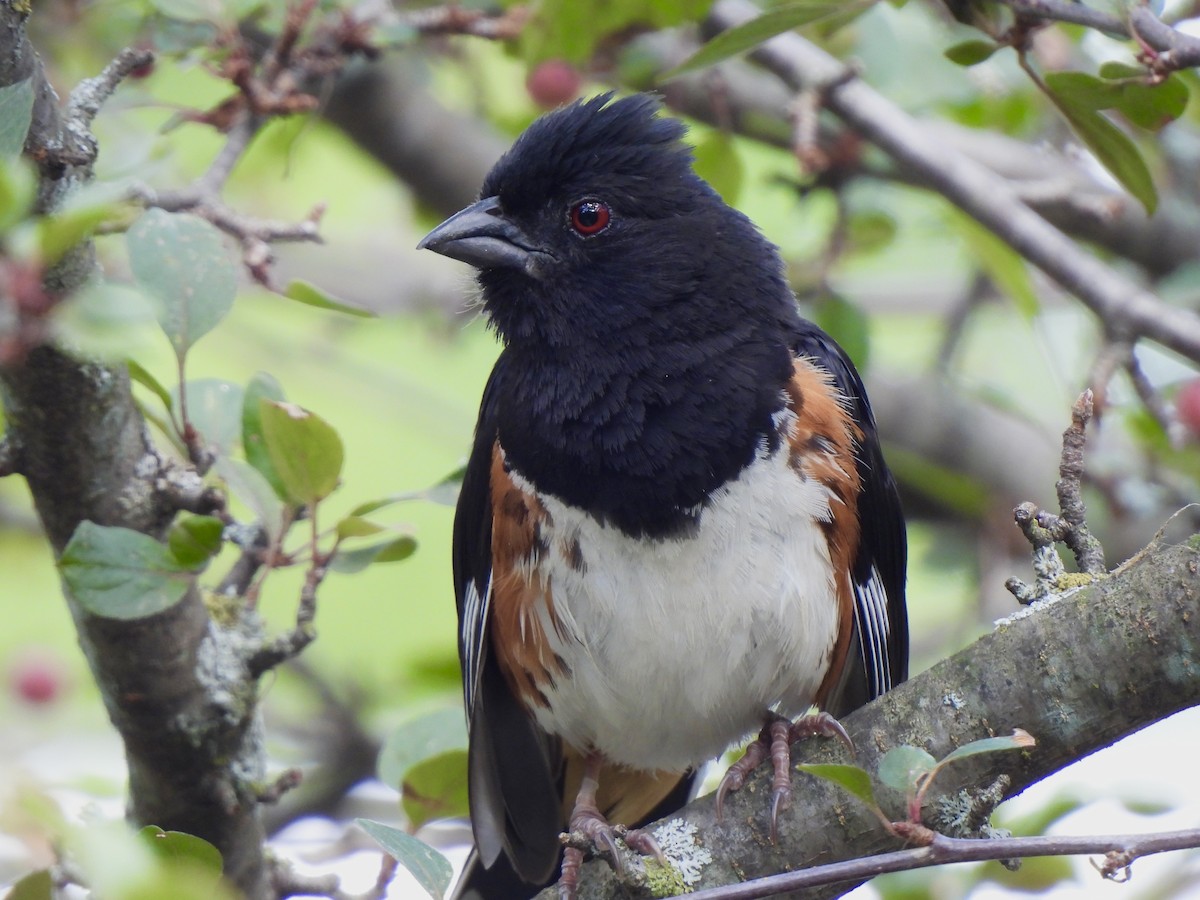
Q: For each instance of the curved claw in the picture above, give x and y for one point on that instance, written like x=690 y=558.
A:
x=606 y=843
x=821 y=725
x=781 y=799
x=643 y=842
x=775 y=740
x=736 y=775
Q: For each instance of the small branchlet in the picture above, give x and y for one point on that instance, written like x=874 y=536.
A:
x=1044 y=529
x=292 y=643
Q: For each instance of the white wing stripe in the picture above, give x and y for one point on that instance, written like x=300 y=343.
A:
x=474 y=621
x=874 y=627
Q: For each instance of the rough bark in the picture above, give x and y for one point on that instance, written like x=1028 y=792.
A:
x=174 y=684
x=1078 y=673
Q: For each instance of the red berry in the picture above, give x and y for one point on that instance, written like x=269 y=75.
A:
x=553 y=83
x=1187 y=406
x=37 y=679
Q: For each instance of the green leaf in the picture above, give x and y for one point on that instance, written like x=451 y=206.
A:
x=846 y=324
x=181 y=260
x=1036 y=875
x=902 y=767
x=870 y=229
x=107 y=321
x=1153 y=106
x=249 y=486
x=1115 y=151
x=850 y=778
x=34 y=886
x=174 y=846
x=119 y=573
x=371 y=506
x=436 y=788
x=1117 y=71
x=356 y=526
x=117 y=862
x=419 y=738
x=970 y=53
x=1002 y=264
x=194 y=540
x=1018 y=740
x=426 y=760
x=350 y=561
x=443 y=493
x=18 y=188
x=214 y=408
x=311 y=295
x=959 y=492
x=148 y=381
x=16 y=112
x=59 y=233
x=717 y=162
x=1083 y=90
x=431 y=870
x=261 y=387
x=305 y=450
x=750 y=34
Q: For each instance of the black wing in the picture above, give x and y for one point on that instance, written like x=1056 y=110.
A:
x=512 y=763
x=880 y=614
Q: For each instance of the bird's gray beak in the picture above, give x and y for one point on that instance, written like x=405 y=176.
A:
x=484 y=237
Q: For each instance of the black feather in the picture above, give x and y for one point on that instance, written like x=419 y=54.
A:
x=641 y=371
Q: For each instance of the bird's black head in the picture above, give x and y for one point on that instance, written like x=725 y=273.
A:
x=593 y=222
x=647 y=325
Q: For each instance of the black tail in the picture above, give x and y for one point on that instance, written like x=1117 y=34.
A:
x=501 y=882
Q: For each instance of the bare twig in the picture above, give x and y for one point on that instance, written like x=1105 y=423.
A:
x=1069 y=12
x=1152 y=400
x=89 y=95
x=254 y=541
x=185 y=489
x=290 y=644
x=1120 y=851
x=287 y=780
x=1043 y=528
x=1128 y=310
x=455 y=19
x=1075 y=533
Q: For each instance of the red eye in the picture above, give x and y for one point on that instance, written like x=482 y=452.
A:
x=590 y=217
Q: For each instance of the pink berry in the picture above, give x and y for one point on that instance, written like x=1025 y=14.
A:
x=1187 y=406
x=553 y=83
x=37 y=679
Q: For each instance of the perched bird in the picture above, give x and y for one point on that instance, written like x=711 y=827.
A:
x=676 y=526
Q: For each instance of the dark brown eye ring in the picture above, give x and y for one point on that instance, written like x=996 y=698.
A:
x=590 y=217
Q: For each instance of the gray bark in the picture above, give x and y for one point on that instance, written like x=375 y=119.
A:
x=1079 y=674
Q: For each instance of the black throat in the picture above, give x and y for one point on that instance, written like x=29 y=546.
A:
x=641 y=436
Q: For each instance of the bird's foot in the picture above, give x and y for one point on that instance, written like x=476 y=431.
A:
x=588 y=822
x=775 y=740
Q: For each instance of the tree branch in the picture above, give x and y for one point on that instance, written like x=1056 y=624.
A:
x=1120 y=851
x=173 y=683
x=1127 y=310
x=1079 y=673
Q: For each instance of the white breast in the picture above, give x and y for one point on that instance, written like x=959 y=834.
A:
x=676 y=648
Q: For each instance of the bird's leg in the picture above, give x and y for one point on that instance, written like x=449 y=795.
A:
x=587 y=819
x=776 y=740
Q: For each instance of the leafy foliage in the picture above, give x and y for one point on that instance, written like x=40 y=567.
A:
x=431 y=870
x=119 y=573
x=181 y=261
